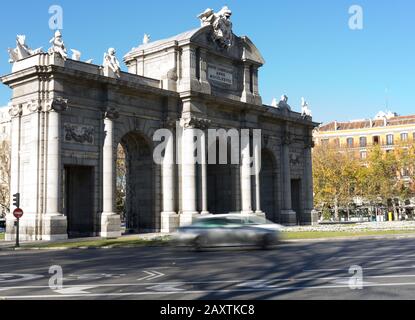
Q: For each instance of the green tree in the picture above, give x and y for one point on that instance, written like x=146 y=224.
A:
x=335 y=175
x=4 y=177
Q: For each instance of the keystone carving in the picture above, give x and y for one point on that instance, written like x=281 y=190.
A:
x=79 y=134
x=192 y=122
x=57 y=104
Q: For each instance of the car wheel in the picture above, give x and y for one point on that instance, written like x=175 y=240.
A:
x=199 y=243
x=266 y=241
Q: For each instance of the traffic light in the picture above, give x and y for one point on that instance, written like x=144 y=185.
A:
x=16 y=200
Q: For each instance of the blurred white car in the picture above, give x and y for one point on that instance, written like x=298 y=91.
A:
x=229 y=230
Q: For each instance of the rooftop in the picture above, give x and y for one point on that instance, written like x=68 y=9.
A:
x=368 y=123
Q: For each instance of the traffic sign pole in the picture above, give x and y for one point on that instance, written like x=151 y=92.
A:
x=17 y=233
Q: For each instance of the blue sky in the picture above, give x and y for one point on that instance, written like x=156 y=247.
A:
x=308 y=46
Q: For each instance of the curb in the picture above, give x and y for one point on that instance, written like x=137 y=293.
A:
x=76 y=248
x=288 y=241
x=352 y=238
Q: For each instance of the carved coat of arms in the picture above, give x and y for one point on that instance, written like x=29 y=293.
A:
x=222 y=25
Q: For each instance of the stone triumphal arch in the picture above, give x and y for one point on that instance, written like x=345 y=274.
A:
x=69 y=117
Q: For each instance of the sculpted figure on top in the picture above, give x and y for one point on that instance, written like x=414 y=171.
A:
x=305 y=110
x=111 y=62
x=22 y=50
x=221 y=23
x=58 y=46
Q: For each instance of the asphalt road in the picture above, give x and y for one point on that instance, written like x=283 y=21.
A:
x=291 y=271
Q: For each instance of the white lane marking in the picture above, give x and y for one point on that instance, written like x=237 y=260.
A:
x=92 y=276
x=239 y=283
x=167 y=287
x=149 y=274
x=78 y=290
x=14 y=277
x=157 y=275
x=273 y=289
x=152 y=275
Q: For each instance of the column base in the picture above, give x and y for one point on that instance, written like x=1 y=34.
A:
x=205 y=213
x=55 y=227
x=247 y=212
x=110 y=225
x=309 y=217
x=170 y=222
x=288 y=217
x=261 y=215
x=187 y=218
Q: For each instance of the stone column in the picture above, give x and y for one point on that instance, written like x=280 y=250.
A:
x=288 y=216
x=257 y=96
x=188 y=174
x=203 y=164
x=110 y=220
x=15 y=113
x=309 y=214
x=169 y=217
x=246 y=194
x=54 y=222
x=257 y=155
x=247 y=94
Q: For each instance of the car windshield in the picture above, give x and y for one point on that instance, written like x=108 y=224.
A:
x=230 y=221
x=210 y=223
x=253 y=220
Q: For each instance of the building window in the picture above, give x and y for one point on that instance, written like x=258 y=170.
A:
x=389 y=139
x=350 y=142
x=376 y=140
x=404 y=137
x=198 y=66
x=363 y=155
x=363 y=142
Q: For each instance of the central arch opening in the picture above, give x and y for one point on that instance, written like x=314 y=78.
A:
x=267 y=186
x=223 y=184
x=135 y=186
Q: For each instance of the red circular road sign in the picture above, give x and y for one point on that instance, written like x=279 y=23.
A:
x=18 y=213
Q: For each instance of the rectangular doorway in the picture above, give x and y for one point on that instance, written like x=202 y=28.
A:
x=79 y=201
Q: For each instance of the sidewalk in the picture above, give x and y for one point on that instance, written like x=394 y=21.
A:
x=356 y=238
x=10 y=245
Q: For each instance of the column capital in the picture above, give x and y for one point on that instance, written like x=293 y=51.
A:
x=287 y=139
x=170 y=123
x=16 y=110
x=57 y=104
x=309 y=143
x=34 y=106
x=193 y=122
x=111 y=114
